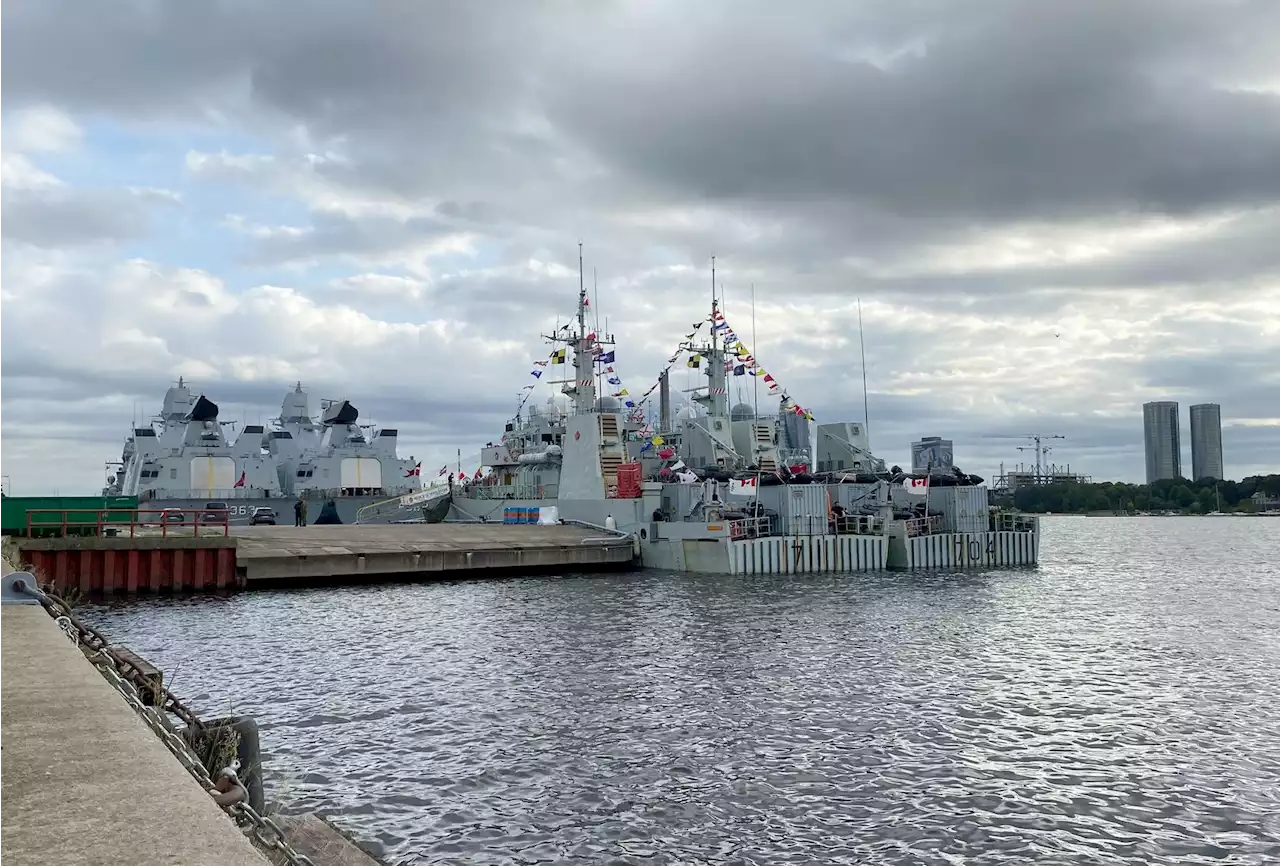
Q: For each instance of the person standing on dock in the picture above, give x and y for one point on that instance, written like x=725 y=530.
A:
x=300 y=512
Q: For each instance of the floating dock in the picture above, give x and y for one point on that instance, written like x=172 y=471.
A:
x=174 y=561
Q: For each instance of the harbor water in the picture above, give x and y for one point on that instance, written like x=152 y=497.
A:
x=1119 y=704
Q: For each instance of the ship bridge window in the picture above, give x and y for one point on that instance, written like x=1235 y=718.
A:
x=548 y=438
x=281 y=434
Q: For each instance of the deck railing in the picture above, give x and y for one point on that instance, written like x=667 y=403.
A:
x=226 y=494
x=1013 y=521
x=924 y=525
x=750 y=527
x=859 y=524
x=510 y=491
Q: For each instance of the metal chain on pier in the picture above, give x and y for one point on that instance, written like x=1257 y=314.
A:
x=263 y=831
x=92 y=641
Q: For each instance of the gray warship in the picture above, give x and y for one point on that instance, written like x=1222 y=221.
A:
x=184 y=459
x=731 y=489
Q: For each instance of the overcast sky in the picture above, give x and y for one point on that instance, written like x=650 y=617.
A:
x=1052 y=212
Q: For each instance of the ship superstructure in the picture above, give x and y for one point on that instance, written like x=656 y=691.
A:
x=712 y=487
x=183 y=458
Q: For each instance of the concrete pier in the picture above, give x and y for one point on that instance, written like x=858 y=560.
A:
x=85 y=780
x=298 y=554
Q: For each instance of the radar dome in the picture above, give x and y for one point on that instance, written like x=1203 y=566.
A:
x=688 y=413
x=608 y=404
x=742 y=412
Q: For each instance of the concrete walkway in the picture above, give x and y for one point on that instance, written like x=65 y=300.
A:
x=85 y=780
x=364 y=551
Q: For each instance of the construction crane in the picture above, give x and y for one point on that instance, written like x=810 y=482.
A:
x=1039 y=448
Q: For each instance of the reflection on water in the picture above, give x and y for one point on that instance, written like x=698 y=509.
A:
x=1118 y=705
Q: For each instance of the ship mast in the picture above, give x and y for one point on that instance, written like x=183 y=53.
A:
x=717 y=396
x=583 y=384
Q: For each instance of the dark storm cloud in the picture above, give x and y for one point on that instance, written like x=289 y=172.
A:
x=1020 y=110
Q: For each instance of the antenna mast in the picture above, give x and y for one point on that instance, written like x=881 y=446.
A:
x=862 y=347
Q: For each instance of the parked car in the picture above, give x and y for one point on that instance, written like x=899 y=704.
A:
x=215 y=512
x=262 y=516
x=173 y=516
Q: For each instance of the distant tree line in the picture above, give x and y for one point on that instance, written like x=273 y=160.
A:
x=1173 y=494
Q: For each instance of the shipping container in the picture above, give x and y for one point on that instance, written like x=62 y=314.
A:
x=963 y=509
x=855 y=497
x=80 y=509
x=805 y=509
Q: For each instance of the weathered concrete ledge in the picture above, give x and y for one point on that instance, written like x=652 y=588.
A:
x=85 y=780
x=298 y=554
x=124 y=542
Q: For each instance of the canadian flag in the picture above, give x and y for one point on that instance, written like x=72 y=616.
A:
x=742 y=486
x=915 y=485
x=240 y=483
x=414 y=472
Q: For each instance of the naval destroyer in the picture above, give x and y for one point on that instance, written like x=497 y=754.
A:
x=720 y=488
x=184 y=459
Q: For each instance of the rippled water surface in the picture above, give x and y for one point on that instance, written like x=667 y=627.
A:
x=1120 y=704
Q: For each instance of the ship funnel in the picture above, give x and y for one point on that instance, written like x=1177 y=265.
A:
x=341 y=412
x=204 y=410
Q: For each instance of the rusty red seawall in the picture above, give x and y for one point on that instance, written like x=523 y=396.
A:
x=316 y=555
x=130 y=565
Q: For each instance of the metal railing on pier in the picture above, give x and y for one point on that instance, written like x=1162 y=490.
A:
x=115 y=521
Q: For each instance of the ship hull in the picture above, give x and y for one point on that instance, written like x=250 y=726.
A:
x=241 y=510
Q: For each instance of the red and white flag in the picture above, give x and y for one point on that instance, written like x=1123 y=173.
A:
x=444 y=470
x=915 y=485
x=742 y=486
x=415 y=472
x=240 y=483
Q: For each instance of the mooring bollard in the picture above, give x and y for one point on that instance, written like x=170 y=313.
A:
x=215 y=747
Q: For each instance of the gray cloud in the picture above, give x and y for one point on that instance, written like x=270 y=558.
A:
x=62 y=217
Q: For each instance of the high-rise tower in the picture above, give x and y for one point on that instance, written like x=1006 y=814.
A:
x=1162 y=440
x=1206 y=441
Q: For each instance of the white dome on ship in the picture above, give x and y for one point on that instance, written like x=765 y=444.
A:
x=742 y=412
x=688 y=413
x=608 y=403
x=557 y=404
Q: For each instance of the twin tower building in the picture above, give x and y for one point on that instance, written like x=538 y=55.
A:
x=1162 y=436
